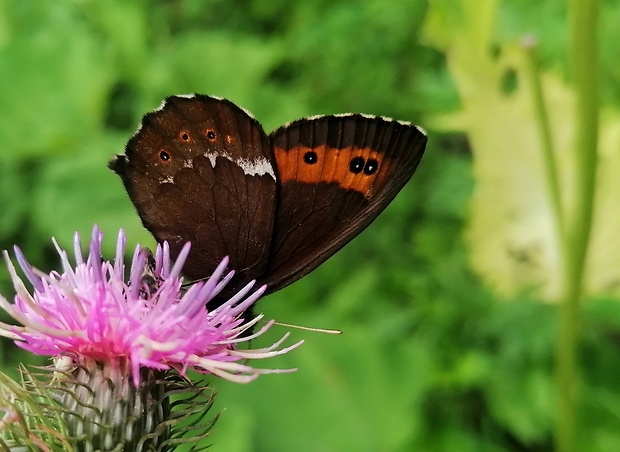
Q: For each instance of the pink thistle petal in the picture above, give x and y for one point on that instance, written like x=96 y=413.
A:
x=90 y=311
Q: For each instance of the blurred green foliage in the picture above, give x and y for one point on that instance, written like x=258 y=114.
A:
x=429 y=358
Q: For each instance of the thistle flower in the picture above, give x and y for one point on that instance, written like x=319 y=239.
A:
x=120 y=343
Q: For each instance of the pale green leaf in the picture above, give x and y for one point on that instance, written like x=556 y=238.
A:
x=512 y=231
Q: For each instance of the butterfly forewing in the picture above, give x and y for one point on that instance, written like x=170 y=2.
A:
x=201 y=169
x=337 y=173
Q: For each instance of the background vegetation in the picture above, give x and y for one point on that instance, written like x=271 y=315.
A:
x=446 y=301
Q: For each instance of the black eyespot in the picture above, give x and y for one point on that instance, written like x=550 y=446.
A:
x=211 y=135
x=310 y=157
x=184 y=136
x=357 y=165
x=164 y=156
x=371 y=167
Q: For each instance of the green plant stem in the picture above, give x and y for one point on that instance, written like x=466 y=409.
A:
x=583 y=15
x=532 y=71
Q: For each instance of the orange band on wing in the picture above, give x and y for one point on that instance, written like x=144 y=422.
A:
x=323 y=164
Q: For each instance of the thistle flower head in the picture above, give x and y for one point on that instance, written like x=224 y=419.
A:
x=101 y=311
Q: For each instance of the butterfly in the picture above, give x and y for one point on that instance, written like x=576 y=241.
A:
x=201 y=169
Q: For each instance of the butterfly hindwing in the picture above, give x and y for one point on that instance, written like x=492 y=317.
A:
x=336 y=174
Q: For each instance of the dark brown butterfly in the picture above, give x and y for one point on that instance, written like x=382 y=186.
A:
x=201 y=169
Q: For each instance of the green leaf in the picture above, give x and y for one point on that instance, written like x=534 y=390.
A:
x=77 y=191
x=512 y=234
x=352 y=392
x=53 y=81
